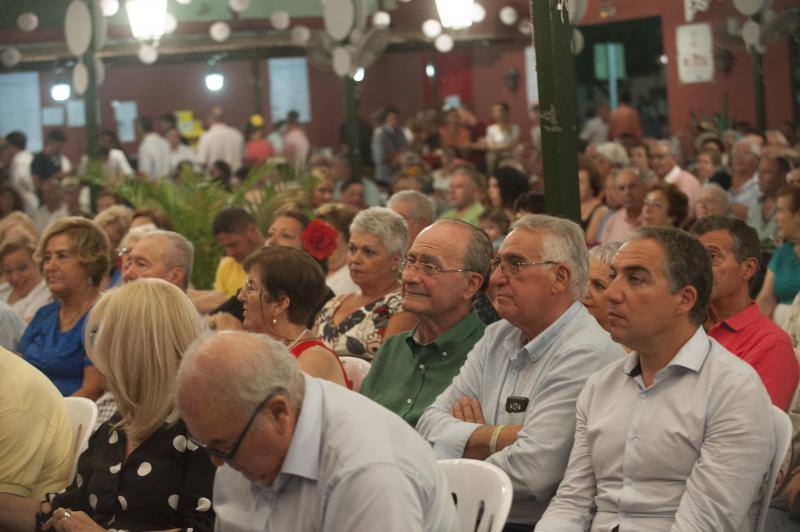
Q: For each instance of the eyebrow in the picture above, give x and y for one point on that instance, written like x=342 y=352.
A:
x=512 y=255
x=634 y=268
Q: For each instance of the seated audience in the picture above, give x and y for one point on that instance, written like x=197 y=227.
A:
x=357 y=324
x=639 y=153
x=665 y=166
x=287 y=228
x=339 y=216
x=464 y=196
x=743 y=192
x=36 y=441
x=417 y=209
x=506 y=184
x=141 y=470
x=630 y=190
x=73 y=257
x=442 y=273
x=323 y=190
x=771 y=179
x=590 y=188
x=283 y=288
x=734 y=320
x=352 y=193
x=677 y=435
x=664 y=205
x=337 y=461
x=529 y=203
x=115 y=222
x=53 y=207
x=513 y=402
x=782 y=281
x=594 y=300
x=26 y=291
x=162 y=255
x=10 y=201
x=495 y=223
x=708 y=169
x=712 y=200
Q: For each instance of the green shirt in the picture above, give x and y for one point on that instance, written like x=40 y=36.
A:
x=470 y=215
x=407 y=377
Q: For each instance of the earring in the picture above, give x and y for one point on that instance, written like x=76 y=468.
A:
x=274 y=321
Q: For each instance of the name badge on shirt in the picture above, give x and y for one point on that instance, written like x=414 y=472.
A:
x=515 y=404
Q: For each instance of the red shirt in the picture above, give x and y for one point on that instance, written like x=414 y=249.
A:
x=758 y=341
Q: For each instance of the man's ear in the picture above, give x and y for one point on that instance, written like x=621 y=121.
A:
x=563 y=277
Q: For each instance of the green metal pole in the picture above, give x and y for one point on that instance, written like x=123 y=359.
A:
x=758 y=89
x=353 y=144
x=90 y=96
x=556 y=74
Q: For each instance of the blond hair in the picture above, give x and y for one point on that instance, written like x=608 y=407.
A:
x=118 y=216
x=16 y=241
x=136 y=335
x=87 y=240
x=18 y=222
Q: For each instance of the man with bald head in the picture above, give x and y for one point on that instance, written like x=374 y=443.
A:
x=298 y=453
x=161 y=254
x=220 y=142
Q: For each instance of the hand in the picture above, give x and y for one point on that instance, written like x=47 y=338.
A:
x=65 y=520
x=469 y=410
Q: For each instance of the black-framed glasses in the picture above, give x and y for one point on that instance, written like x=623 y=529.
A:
x=426 y=268
x=229 y=455
x=510 y=265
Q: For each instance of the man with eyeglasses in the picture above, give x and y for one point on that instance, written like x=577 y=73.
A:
x=513 y=402
x=444 y=269
x=631 y=191
x=299 y=453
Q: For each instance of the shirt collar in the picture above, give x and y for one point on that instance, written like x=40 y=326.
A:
x=302 y=458
x=742 y=319
x=691 y=356
x=545 y=339
x=450 y=340
x=672 y=174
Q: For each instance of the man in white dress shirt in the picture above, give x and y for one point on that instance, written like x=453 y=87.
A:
x=299 y=453
x=153 y=150
x=220 y=142
x=665 y=165
x=19 y=170
x=677 y=436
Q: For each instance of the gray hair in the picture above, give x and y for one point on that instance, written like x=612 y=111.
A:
x=755 y=149
x=248 y=367
x=615 y=153
x=564 y=242
x=384 y=223
x=719 y=192
x=605 y=252
x=478 y=256
x=668 y=145
x=421 y=205
x=178 y=254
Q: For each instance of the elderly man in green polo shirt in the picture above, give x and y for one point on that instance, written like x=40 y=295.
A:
x=465 y=196
x=444 y=269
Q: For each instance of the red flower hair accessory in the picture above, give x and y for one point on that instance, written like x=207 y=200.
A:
x=319 y=239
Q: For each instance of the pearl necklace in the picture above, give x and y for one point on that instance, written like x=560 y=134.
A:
x=299 y=336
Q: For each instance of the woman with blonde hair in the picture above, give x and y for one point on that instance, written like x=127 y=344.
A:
x=73 y=258
x=26 y=291
x=141 y=471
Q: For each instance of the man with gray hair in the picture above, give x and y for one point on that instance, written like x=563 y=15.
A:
x=513 y=402
x=299 y=453
x=417 y=210
x=744 y=191
x=442 y=272
x=665 y=166
x=464 y=196
x=161 y=254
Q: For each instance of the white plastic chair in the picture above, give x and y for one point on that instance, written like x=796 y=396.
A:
x=782 y=427
x=482 y=493
x=356 y=369
x=82 y=414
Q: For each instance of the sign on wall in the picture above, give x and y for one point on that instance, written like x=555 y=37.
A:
x=20 y=107
x=288 y=88
x=695 y=53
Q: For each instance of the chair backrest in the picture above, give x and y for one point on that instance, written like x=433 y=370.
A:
x=782 y=427
x=482 y=493
x=82 y=413
x=356 y=369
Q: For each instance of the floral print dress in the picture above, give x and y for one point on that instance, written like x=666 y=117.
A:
x=361 y=333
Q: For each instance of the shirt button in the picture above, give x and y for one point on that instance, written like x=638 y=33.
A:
x=444 y=353
x=409 y=401
x=422 y=366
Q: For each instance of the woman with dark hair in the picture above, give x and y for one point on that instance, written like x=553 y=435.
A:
x=506 y=184
x=283 y=289
x=590 y=188
x=665 y=205
x=10 y=201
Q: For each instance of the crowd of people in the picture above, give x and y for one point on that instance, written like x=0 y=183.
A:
x=621 y=369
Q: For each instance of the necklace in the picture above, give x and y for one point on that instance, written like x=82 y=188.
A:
x=299 y=336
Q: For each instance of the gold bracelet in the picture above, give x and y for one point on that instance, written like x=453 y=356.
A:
x=493 y=440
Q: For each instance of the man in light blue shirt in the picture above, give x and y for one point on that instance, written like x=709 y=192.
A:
x=299 y=453
x=513 y=402
x=678 y=435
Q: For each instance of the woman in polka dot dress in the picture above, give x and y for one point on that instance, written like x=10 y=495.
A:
x=141 y=470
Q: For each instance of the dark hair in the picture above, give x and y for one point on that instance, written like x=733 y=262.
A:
x=224 y=170
x=56 y=135
x=232 y=220
x=512 y=183
x=716 y=158
x=292 y=273
x=784 y=166
x=504 y=106
x=497 y=216
x=595 y=182
x=678 y=202
x=17 y=139
x=339 y=215
x=292 y=211
x=292 y=117
x=388 y=110
x=146 y=123
x=168 y=119
x=531 y=202
x=159 y=217
x=793 y=193
x=18 y=205
x=745 y=239
x=350 y=182
x=687 y=263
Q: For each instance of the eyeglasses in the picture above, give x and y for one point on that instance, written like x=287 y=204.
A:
x=426 y=268
x=510 y=265
x=249 y=286
x=229 y=455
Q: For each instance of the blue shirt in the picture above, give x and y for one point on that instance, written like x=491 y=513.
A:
x=59 y=355
x=352 y=466
x=785 y=264
x=550 y=371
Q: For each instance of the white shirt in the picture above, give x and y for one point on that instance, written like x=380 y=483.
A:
x=341 y=283
x=688 y=453
x=43 y=217
x=595 y=131
x=497 y=136
x=116 y=165
x=296 y=148
x=20 y=173
x=221 y=142
x=26 y=307
x=747 y=194
x=154 y=156
x=11 y=328
x=180 y=154
x=352 y=466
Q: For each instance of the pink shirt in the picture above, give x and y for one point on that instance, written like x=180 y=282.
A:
x=687 y=183
x=758 y=341
x=619 y=227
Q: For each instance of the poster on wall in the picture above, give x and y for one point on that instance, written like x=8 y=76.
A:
x=125 y=113
x=695 y=53
x=20 y=107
